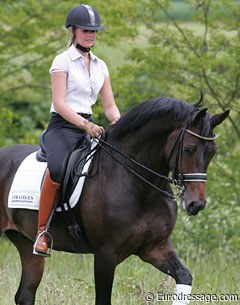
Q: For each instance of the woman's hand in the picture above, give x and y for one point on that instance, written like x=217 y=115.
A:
x=92 y=129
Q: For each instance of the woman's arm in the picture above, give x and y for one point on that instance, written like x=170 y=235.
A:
x=59 y=88
x=109 y=106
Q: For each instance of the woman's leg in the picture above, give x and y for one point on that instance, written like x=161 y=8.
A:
x=59 y=145
x=48 y=197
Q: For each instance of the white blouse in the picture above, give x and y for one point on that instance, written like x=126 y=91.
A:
x=82 y=86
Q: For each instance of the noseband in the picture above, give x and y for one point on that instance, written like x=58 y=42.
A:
x=179 y=177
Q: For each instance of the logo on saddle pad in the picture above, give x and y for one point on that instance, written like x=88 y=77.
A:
x=19 y=198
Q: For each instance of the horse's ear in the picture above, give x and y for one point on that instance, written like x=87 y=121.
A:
x=219 y=118
x=199 y=115
x=201 y=100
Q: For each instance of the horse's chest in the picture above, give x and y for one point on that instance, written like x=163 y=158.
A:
x=156 y=227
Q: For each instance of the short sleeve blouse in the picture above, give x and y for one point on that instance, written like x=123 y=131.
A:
x=82 y=86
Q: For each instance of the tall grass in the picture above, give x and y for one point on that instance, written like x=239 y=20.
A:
x=68 y=278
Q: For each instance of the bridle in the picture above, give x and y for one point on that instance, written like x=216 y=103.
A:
x=201 y=137
x=178 y=177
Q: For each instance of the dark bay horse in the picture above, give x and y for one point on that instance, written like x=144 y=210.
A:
x=128 y=207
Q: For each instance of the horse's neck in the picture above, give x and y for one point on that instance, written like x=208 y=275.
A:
x=147 y=145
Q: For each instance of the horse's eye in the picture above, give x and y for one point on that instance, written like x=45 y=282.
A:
x=188 y=150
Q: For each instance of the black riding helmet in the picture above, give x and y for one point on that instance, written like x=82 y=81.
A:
x=85 y=17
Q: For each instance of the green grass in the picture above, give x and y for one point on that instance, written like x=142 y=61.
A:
x=68 y=278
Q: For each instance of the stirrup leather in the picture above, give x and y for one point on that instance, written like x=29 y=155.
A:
x=50 y=238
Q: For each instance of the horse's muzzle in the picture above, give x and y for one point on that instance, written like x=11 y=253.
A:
x=195 y=206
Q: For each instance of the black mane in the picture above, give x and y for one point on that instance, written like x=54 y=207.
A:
x=176 y=110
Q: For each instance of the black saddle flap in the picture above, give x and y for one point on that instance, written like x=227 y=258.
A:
x=74 y=169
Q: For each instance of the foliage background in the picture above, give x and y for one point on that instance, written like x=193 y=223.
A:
x=152 y=48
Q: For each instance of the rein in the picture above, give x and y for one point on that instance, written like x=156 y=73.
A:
x=102 y=143
x=178 y=179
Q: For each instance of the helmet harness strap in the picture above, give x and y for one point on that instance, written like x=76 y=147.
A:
x=81 y=48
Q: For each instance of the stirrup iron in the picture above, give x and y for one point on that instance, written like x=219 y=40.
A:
x=49 y=237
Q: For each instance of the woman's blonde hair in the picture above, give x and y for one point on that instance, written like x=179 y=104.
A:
x=71 y=36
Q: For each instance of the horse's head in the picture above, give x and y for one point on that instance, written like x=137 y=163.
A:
x=189 y=151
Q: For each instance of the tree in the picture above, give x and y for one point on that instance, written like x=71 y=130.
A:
x=32 y=34
x=178 y=61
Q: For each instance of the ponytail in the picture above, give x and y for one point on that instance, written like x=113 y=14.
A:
x=71 y=38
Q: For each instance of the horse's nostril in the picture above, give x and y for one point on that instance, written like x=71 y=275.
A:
x=195 y=206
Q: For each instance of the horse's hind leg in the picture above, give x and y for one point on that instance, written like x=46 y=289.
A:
x=32 y=269
x=164 y=258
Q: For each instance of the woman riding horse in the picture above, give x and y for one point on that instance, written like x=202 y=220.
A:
x=77 y=78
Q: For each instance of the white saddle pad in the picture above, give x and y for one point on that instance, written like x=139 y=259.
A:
x=25 y=189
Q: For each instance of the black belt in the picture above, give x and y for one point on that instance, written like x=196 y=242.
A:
x=84 y=115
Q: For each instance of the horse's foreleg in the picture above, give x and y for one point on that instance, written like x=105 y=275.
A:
x=164 y=258
x=32 y=269
x=104 y=268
